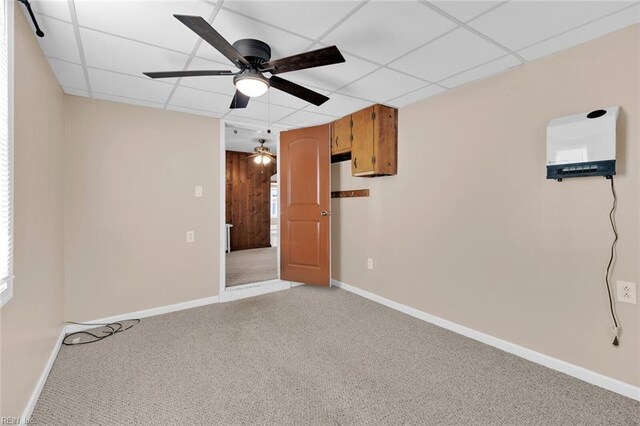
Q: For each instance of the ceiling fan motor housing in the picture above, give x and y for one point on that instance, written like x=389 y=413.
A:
x=256 y=51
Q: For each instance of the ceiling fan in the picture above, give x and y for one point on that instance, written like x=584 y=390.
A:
x=262 y=154
x=253 y=58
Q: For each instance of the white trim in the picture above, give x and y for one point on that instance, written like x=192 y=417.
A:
x=254 y=289
x=145 y=313
x=31 y=404
x=573 y=370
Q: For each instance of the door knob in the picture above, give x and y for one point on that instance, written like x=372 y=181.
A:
x=324 y=213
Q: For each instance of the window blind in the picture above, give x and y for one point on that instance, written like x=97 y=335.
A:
x=6 y=160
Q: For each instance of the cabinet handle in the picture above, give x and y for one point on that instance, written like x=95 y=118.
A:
x=355 y=163
x=336 y=140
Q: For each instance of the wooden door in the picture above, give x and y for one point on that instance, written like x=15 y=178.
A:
x=304 y=205
x=341 y=135
x=362 y=144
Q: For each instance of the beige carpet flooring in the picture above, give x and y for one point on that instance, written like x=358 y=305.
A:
x=310 y=356
x=251 y=266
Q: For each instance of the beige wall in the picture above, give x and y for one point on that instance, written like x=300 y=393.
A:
x=130 y=178
x=470 y=230
x=33 y=318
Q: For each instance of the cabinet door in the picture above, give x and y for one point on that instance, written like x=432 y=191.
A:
x=341 y=135
x=362 y=143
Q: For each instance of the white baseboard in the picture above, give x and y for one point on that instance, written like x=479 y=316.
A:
x=31 y=404
x=70 y=328
x=578 y=372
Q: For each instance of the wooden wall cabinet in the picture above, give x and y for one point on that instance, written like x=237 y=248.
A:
x=341 y=135
x=371 y=136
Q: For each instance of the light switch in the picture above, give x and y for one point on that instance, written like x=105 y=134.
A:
x=198 y=191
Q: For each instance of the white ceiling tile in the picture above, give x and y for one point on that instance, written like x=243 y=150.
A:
x=383 y=31
x=59 y=40
x=260 y=111
x=519 y=24
x=332 y=77
x=305 y=118
x=218 y=84
x=68 y=74
x=339 y=105
x=482 y=71
x=54 y=8
x=416 y=96
x=193 y=111
x=148 y=21
x=234 y=27
x=451 y=54
x=75 y=92
x=307 y=18
x=624 y=18
x=127 y=86
x=198 y=99
x=126 y=100
x=382 y=85
x=465 y=10
x=129 y=57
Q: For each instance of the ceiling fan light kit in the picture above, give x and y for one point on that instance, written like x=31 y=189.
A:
x=253 y=58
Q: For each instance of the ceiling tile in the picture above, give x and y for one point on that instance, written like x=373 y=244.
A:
x=193 y=111
x=68 y=74
x=519 y=24
x=127 y=86
x=218 y=84
x=198 y=99
x=616 y=21
x=75 y=92
x=482 y=71
x=148 y=21
x=416 y=96
x=465 y=10
x=307 y=18
x=451 y=54
x=305 y=118
x=339 y=105
x=54 y=8
x=382 y=85
x=335 y=76
x=126 y=100
x=259 y=111
x=129 y=57
x=59 y=41
x=383 y=31
x=234 y=27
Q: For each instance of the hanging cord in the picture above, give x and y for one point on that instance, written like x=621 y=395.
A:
x=616 y=328
x=95 y=335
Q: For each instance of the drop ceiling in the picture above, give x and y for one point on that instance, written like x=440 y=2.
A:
x=397 y=52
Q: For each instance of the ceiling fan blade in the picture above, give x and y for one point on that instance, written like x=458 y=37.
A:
x=315 y=58
x=201 y=27
x=240 y=100
x=170 y=74
x=298 y=91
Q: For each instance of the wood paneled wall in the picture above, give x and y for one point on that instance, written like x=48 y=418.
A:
x=248 y=194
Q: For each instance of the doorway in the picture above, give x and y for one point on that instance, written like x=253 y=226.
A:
x=251 y=206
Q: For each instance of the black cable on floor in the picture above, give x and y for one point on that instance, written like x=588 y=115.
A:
x=612 y=219
x=109 y=329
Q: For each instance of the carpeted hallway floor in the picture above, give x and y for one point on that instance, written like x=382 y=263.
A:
x=310 y=356
x=251 y=266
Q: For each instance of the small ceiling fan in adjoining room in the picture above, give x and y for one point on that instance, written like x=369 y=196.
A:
x=262 y=154
x=253 y=58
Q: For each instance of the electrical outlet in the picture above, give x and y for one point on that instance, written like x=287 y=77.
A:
x=191 y=236
x=369 y=263
x=626 y=292
x=198 y=191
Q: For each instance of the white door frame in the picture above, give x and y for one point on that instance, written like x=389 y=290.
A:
x=251 y=289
